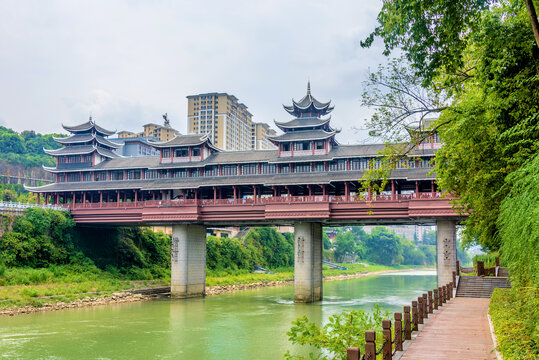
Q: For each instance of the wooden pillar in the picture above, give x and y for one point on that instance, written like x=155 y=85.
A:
x=370 y=345
x=153 y=195
x=435 y=299
x=420 y=310
x=430 y=302
x=353 y=353
x=84 y=197
x=235 y=196
x=425 y=306
x=288 y=191
x=432 y=187
x=136 y=197
x=324 y=191
x=346 y=191
x=386 y=333
x=274 y=191
x=398 y=331
x=254 y=193
x=214 y=194
x=417 y=188
x=407 y=324
x=310 y=190
x=117 y=198
x=101 y=199
x=392 y=189
x=440 y=295
x=74 y=198
x=47 y=199
x=415 y=320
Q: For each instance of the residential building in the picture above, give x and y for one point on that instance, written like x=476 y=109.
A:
x=163 y=133
x=226 y=121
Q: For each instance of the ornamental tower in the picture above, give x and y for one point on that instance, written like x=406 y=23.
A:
x=86 y=146
x=309 y=133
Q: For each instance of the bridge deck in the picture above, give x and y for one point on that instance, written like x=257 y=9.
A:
x=460 y=330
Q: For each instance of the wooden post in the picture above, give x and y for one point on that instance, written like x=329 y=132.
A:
x=420 y=310
x=450 y=288
x=497 y=259
x=430 y=302
x=435 y=292
x=415 y=321
x=407 y=325
x=386 y=333
x=353 y=353
x=458 y=268
x=398 y=331
x=454 y=279
x=425 y=306
x=440 y=297
x=370 y=345
x=480 y=268
x=444 y=294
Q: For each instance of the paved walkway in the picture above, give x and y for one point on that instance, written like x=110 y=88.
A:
x=459 y=330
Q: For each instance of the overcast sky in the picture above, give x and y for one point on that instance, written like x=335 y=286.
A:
x=128 y=62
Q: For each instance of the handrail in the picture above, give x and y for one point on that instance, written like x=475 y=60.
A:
x=10 y=205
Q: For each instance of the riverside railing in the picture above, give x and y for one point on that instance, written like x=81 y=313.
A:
x=404 y=325
x=14 y=206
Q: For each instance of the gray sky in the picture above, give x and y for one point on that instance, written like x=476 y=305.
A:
x=128 y=62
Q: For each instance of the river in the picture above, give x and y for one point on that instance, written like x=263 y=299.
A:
x=244 y=325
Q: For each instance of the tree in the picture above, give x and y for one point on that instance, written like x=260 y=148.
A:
x=383 y=247
x=345 y=245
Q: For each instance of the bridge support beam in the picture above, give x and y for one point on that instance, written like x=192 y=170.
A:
x=188 y=261
x=307 y=262
x=446 y=250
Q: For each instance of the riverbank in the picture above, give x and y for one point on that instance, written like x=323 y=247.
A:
x=138 y=295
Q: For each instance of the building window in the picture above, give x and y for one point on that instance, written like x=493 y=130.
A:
x=285 y=169
x=87 y=177
x=285 y=147
x=133 y=174
x=337 y=165
x=73 y=177
x=116 y=175
x=249 y=169
x=211 y=171
x=151 y=174
x=303 y=145
x=165 y=153
x=100 y=176
x=269 y=168
x=319 y=167
x=181 y=153
x=180 y=173
x=359 y=164
x=319 y=145
x=195 y=152
x=228 y=170
x=196 y=173
x=302 y=168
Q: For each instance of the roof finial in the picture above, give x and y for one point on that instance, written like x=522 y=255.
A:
x=309 y=87
x=91 y=122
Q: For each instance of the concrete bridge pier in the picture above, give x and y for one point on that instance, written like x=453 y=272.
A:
x=307 y=262
x=188 y=261
x=446 y=250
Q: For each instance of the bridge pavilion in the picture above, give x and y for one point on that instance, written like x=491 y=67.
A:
x=308 y=181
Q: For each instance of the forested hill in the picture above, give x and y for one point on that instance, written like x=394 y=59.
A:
x=26 y=148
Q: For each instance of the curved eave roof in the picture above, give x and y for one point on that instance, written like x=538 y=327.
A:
x=303 y=135
x=88 y=126
x=71 y=150
x=84 y=138
x=302 y=122
x=185 y=140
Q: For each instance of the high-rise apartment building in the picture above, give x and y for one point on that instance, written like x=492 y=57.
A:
x=259 y=139
x=227 y=122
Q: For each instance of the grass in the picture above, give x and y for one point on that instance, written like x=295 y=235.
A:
x=515 y=315
x=36 y=287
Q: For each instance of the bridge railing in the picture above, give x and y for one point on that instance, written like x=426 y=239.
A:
x=404 y=326
x=259 y=201
x=14 y=206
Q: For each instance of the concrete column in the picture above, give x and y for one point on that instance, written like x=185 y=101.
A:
x=446 y=250
x=307 y=262
x=188 y=261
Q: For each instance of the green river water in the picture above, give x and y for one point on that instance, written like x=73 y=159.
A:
x=245 y=325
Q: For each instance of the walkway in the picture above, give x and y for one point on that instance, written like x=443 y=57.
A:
x=459 y=330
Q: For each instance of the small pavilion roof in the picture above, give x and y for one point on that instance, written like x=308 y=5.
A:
x=308 y=104
x=84 y=138
x=303 y=135
x=185 y=140
x=88 y=126
x=82 y=150
x=303 y=122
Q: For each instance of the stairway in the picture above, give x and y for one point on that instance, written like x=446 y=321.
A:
x=480 y=287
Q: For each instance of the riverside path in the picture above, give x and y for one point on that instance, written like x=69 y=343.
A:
x=458 y=330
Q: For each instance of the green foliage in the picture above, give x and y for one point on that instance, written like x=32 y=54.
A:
x=272 y=248
x=345 y=245
x=383 y=247
x=515 y=315
x=333 y=339
x=26 y=148
x=488 y=259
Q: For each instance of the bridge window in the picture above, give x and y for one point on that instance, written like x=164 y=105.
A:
x=319 y=145
x=337 y=165
x=319 y=167
x=100 y=176
x=249 y=169
x=228 y=170
x=71 y=177
x=285 y=147
x=61 y=178
x=151 y=174
x=61 y=159
x=269 y=169
x=359 y=164
x=285 y=169
x=116 y=175
x=133 y=174
x=165 y=174
x=165 y=153
x=195 y=152
x=302 y=168
x=211 y=171
x=86 y=176
x=181 y=153
x=196 y=172
x=180 y=173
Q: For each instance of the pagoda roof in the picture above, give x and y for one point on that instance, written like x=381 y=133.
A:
x=88 y=126
x=308 y=104
x=81 y=150
x=303 y=135
x=303 y=122
x=207 y=181
x=185 y=140
x=84 y=138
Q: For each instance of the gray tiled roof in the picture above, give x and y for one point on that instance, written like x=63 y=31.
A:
x=88 y=126
x=303 y=135
x=183 y=140
x=71 y=150
x=303 y=122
